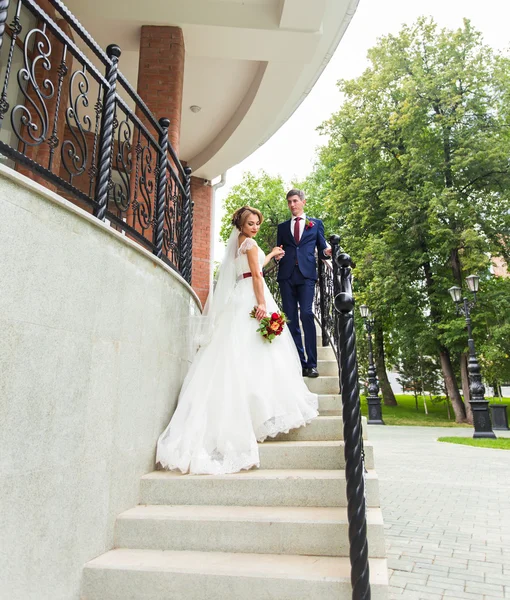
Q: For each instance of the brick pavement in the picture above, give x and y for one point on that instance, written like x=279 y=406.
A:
x=446 y=509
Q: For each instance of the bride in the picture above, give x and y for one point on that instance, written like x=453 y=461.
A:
x=240 y=389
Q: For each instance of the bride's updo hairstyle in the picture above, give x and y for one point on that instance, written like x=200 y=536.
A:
x=241 y=215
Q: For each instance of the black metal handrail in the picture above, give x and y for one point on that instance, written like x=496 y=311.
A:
x=61 y=118
x=333 y=309
x=343 y=302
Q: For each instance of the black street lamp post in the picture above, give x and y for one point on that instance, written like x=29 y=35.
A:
x=373 y=398
x=479 y=405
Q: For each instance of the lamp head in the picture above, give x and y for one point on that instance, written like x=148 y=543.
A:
x=365 y=311
x=473 y=282
x=456 y=293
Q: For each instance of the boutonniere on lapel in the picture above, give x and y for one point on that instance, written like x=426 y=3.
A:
x=308 y=224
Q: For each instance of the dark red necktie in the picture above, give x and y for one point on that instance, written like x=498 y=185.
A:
x=296 y=229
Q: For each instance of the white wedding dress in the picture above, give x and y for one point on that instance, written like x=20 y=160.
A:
x=240 y=389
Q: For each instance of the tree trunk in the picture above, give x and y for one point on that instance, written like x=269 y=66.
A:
x=452 y=389
x=451 y=386
x=448 y=413
x=380 y=365
x=464 y=375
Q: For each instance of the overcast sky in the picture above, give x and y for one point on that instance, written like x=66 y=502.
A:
x=290 y=152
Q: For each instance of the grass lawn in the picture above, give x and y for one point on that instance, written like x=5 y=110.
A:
x=406 y=414
x=501 y=443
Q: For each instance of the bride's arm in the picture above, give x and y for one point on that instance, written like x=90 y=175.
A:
x=277 y=252
x=258 y=282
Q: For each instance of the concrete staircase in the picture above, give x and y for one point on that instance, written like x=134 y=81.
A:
x=279 y=532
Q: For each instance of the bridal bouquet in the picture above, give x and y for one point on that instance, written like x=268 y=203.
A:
x=270 y=326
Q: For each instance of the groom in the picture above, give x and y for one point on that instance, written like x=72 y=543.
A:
x=298 y=273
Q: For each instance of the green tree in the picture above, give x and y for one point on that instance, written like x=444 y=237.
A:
x=416 y=172
x=491 y=329
x=268 y=194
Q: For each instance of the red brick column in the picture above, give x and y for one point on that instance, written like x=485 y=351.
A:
x=161 y=75
x=201 y=195
x=160 y=85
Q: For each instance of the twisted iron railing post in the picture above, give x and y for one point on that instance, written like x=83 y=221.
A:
x=351 y=415
x=15 y=31
x=190 y=248
x=106 y=134
x=4 y=7
x=161 y=184
x=186 y=240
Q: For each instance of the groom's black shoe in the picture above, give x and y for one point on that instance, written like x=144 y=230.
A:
x=312 y=372
x=305 y=371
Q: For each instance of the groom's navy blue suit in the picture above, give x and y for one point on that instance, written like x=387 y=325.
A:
x=297 y=275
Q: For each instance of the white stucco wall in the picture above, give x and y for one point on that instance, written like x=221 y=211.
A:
x=94 y=345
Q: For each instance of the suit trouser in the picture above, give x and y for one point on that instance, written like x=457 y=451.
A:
x=298 y=291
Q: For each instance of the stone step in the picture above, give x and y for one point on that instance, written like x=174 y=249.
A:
x=330 y=404
x=318 y=336
x=308 y=455
x=325 y=353
x=124 y=574
x=257 y=487
x=322 y=428
x=255 y=529
x=327 y=367
x=323 y=385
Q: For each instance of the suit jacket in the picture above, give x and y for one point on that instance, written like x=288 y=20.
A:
x=303 y=252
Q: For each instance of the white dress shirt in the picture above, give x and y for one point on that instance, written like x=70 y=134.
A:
x=301 y=225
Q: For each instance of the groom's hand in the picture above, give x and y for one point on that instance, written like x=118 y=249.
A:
x=278 y=253
x=327 y=251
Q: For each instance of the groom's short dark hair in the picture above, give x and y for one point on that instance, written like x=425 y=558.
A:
x=296 y=192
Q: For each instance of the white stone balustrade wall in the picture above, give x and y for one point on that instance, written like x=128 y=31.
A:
x=94 y=345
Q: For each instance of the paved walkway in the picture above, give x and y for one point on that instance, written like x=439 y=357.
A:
x=447 y=514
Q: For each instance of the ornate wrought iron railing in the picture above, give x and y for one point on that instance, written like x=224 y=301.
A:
x=270 y=274
x=69 y=117
x=333 y=309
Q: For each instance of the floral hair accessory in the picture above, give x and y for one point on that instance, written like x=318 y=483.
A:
x=270 y=326
x=309 y=224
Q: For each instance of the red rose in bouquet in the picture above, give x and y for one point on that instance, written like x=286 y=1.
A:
x=270 y=326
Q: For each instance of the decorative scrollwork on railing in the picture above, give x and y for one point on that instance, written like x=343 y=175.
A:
x=113 y=157
x=124 y=167
x=92 y=171
x=323 y=305
x=53 y=140
x=172 y=222
x=75 y=153
x=144 y=208
x=32 y=129
x=270 y=277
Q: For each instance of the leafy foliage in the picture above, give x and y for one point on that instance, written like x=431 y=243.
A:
x=265 y=193
x=416 y=174
x=268 y=194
